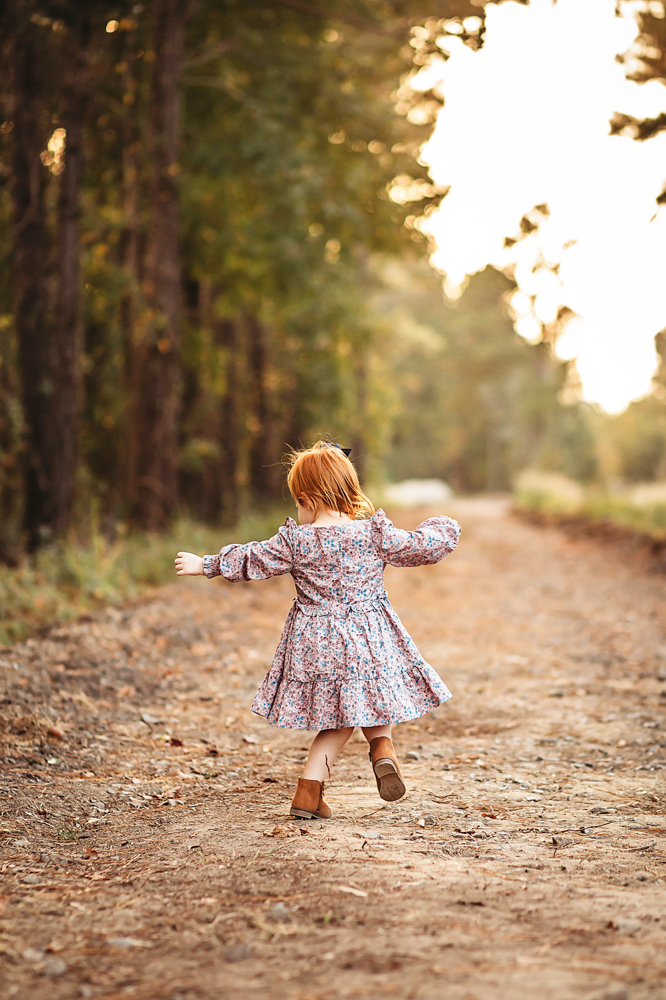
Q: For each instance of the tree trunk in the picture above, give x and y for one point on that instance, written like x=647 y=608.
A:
x=263 y=457
x=227 y=335
x=30 y=276
x=131 y=251
x=157 y=361
x=358 y=442
x=67 y=329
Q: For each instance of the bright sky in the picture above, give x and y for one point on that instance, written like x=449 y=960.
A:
x=526 y=122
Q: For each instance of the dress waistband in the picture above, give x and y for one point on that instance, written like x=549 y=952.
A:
x=342 y=610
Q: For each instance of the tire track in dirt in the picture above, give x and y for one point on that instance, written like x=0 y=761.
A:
x=528 y=854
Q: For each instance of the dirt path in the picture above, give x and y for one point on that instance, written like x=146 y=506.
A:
x=528 y=857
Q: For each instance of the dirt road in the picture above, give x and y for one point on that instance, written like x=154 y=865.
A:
x=528 y=857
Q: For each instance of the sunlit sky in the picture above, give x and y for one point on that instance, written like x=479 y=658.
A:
x=526 y=122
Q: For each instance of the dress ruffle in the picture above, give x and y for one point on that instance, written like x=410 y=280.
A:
x=356 y=666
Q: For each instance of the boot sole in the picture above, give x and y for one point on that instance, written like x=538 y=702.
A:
x=391 y=786
x=304 y=814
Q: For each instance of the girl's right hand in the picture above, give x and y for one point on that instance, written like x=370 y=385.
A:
x=187 y=564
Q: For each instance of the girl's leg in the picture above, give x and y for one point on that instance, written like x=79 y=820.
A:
x=325 y=748
x=372 y=732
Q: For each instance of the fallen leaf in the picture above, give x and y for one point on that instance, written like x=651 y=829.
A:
x=149 y=719
x=279 y=831
x=175 y=742
x=201 y=649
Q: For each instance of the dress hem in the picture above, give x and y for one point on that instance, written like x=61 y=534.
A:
x=347 y=724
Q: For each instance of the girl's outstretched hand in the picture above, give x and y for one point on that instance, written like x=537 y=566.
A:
x=187 y=564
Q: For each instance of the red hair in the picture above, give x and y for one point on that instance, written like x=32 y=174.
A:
x=323 y=478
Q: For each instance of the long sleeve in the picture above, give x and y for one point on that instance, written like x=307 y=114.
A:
x=430 y=542
x=254 y=560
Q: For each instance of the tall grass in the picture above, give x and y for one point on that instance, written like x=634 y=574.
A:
x=71 y=578
x=639 y=508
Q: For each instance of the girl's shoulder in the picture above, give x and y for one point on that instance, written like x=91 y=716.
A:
x=288 y=528
x=379 y=521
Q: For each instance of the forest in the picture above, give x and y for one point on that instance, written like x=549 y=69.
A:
x=212 y=252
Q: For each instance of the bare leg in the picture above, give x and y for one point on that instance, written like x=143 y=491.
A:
x=372 y=732
x=325 y=748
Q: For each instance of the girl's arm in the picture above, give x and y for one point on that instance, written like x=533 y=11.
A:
x=430 y=542
x=254 y=560
x=187 y=564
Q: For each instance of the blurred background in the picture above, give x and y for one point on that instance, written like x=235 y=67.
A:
x=429 y=229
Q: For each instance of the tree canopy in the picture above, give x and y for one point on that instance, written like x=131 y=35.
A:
x=210 y=255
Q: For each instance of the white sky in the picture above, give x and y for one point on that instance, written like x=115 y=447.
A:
x=525 y=122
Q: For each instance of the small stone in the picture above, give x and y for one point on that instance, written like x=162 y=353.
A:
x=445 y=767
x=600 y=811
x=33 y=954
x=372 y=835
x=429 y=820
x=620 y=994
x=149 y=719
x=279 y=914
x=562 y=841
x=480 y=835
x=31 y=879
x=237 y=953
x=54 y=967
x=85 y=991
x=412 y=755
x=624 y=926
x=128 y=942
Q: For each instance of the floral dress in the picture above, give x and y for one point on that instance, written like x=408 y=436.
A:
x=345 y=658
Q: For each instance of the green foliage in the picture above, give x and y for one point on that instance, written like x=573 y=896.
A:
x=641 y=509
x=477 y=403
x=73 y=577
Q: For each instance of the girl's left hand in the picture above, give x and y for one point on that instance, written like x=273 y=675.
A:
x=187 y=564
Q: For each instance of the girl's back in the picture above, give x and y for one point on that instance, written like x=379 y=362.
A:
x=337 y=565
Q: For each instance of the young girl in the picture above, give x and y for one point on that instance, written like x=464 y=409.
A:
x=344 y=659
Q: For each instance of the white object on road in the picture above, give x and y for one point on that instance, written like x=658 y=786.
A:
x=417 y=492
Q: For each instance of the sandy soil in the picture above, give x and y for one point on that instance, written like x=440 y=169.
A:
x=527 y=858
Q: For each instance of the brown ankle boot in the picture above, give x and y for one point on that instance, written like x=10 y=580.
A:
x=387 y=772
x=309 y=801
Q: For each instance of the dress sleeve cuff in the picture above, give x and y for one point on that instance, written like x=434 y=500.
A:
x=211 y=566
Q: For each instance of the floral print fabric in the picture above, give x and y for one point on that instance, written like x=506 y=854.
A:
x=345 y=658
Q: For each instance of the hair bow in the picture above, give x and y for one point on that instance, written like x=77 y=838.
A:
x=333 y=444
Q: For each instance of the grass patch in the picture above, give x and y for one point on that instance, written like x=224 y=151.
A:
x=637 y=508
x=71 y=578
